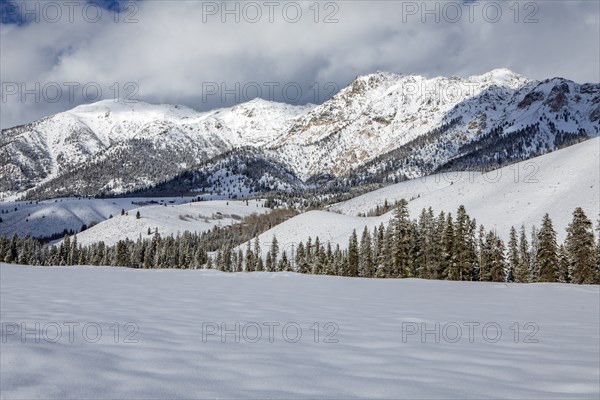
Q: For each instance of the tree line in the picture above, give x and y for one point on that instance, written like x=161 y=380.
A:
x=441 y=246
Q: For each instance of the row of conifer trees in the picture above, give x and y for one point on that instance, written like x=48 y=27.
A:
x=433 y=246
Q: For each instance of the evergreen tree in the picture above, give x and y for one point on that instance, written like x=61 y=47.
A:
x=122 y=256
x=513 y=254
x=547 y=252
x=438 y=261
x=11 y=251
x=316 y=261
x=533 y=266
x=486 y=256
x=301 y=261
x=284 y=264
x=381 y=270
x=274 y=250
x=269 y=263
x=498 y=262
x=598 y=254
x=464 y=248
x=449 y=250
x=402 y=250
x=250 y=258
x=522 y=273
x=579 y=248
x=352 y=266
x=365 y=260
x=330 y=268
x=259 y=264
x=426 y=264
x=563 y=265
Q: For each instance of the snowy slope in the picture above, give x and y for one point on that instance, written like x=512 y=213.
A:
x=170 y=220
x=45 y=218
x=555 y=183
x=371 y=355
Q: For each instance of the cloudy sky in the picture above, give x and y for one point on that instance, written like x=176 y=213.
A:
x=58 y=54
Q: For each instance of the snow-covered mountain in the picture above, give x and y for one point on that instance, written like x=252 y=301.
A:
x=128 y=146
x=382 y=126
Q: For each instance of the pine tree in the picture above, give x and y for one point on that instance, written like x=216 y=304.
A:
x=317 y=257
x=437 y=266
x=563 y=265
x=513 y=255
x=330 y=268
x=533 y=266
x=274 y=250
x=522 y=273
x=449 y=250
x=73 y=256
x=65 y=248
x=579 y=248
x=598 y=254
x=479 y=270
x=257 y=248
x=365 y=259
x=381 y=270
x=250 y=259
x=547 y=252
x=3 y=247
x=122 y=258
x=402 y=250
x=301 y=262
x=464 y=247
x=338 y=260
x=269 y=263
x=352 y=266
x=498 y=265
x=486 y=256
x=284 y=264
x=425 y=257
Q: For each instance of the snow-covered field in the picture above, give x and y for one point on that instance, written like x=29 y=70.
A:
x=555 y=183
x=372 y=348
x=45 y=218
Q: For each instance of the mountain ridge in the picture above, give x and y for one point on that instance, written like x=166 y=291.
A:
x=415 y=125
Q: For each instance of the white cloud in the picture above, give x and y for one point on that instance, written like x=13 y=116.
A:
x=171 y=52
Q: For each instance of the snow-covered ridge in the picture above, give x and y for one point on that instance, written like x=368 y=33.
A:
x=373 y=115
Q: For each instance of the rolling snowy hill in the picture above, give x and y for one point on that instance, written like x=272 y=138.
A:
x=381 y=127
x=170 y=220
x=49 y=217
x=519 y=194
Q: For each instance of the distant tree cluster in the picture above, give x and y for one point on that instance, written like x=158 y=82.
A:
x=430 y=247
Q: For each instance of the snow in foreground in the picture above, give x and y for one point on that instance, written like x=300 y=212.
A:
x=378 y=351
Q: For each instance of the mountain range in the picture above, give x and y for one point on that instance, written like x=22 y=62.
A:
x=383 y=127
